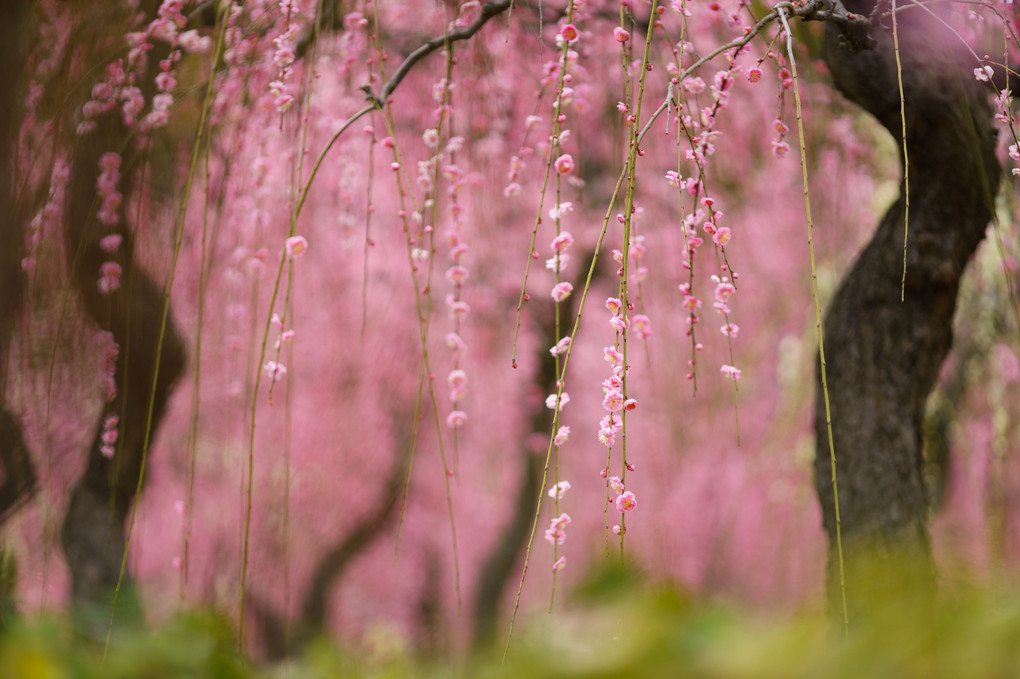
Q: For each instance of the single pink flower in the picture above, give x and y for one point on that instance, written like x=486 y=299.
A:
x=561 y=346
x=110 y=243
x=642 y=326
x=560 y=564
x=569 y=32
x=456 y=419
x=626 y=502
x=620 y=35
x=616 y=485
x=457 y=274
x=565 y=164
x=561 y=291
x=562 y=435
x=296 y=245
x=562 y=242
x=724 y=290
x=754 y=74
x=613 y=400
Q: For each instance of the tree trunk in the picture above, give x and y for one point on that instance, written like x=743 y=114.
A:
x=883 y=354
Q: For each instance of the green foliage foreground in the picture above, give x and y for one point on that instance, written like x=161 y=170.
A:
x=610 y=628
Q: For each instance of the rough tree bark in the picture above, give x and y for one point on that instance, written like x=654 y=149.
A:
x=17 y=479
x=883 y=355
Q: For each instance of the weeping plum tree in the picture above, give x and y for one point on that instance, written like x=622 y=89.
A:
x=351 y=127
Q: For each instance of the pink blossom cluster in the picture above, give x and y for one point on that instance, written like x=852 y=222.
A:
x=614 y=399
x=108 y=368
x=284 y=54
x=119 y=86
x=625 y=500
x=110 y=201
x=46 y=221
x=109 y=436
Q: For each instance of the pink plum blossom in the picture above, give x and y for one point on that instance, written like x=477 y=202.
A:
x=565 y=164
x=561 y=346
x=551 y=404
x=626 y=502
x=456 y=419
x=561 y=291
x=562 y=435
x=560 y=564
x=296 y=246
x=558 y=490
x=457 y=274
x=275 y=370
x=613 y=400
x=561 y=242
x=731 y=372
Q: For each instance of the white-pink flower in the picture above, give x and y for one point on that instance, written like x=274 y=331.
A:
x=558 y=490
x=551 y=404
x=731 y=372
x=560 y=564
x=616 y=484
x=275 y=370
x=562 y=435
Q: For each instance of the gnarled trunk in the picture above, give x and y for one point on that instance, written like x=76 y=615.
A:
x=883 y=354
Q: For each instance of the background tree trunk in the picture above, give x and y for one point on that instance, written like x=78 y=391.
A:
x=883 y=355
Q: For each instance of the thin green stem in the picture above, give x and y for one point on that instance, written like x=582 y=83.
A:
x=818 y=317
